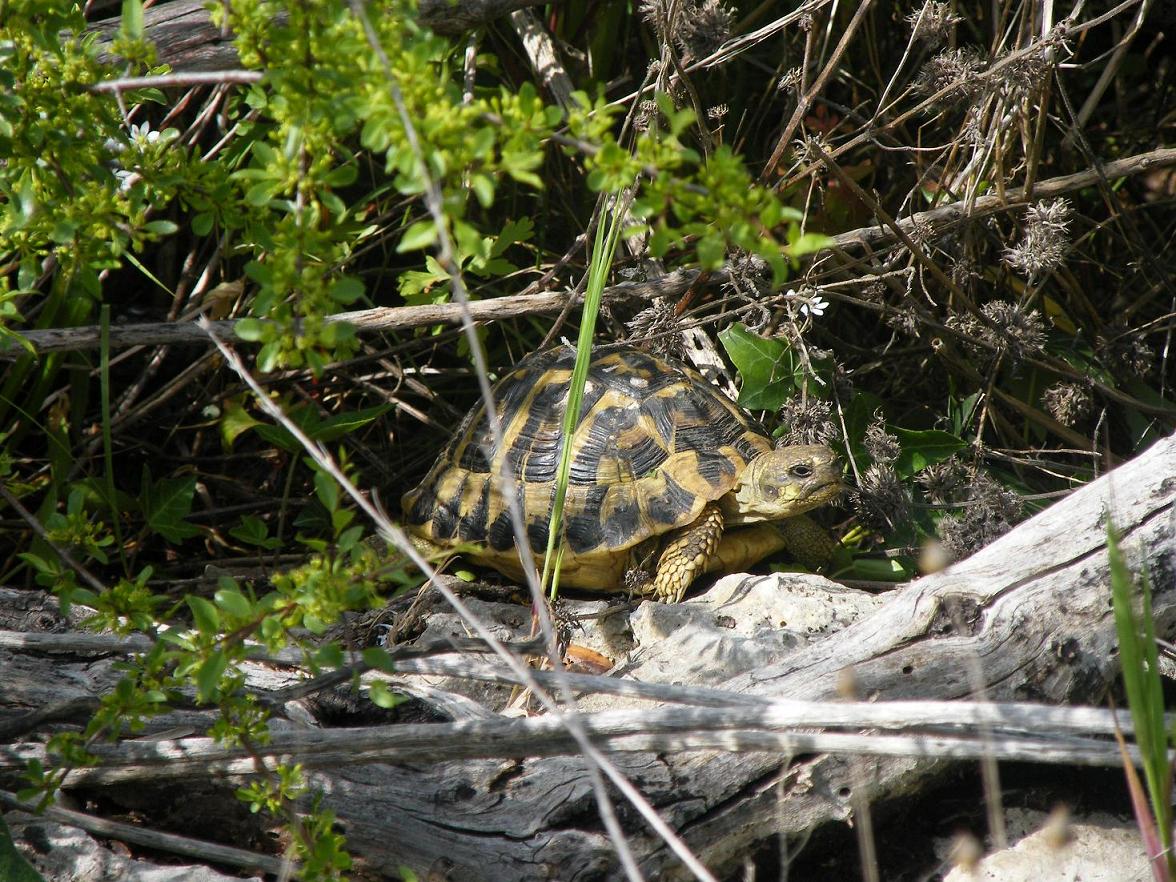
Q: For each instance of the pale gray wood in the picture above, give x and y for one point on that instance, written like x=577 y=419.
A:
x=380 y=318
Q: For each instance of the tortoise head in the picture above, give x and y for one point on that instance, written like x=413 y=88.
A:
x=783 y=483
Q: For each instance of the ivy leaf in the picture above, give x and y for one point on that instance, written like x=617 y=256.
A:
x=235 y=421
x=770 y=373
x=253 y=531
x=13 y=866
x=165 y=505
x=924 y=447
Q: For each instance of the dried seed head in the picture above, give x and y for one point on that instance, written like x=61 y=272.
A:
x=703 y=26
x=637 y=580
x=654 y=13
x=1009 y=331
x=1023 y=333
x=880 y=444
x=905 y=321
x=749 y=274
x=647 y=112
x=959 y=68
x=808 y=422
x=657 y=327
x=716 y=113
x=1045 y=240
x=933 y=24
x=944 y=482
x=965 y=270
x=1126 y=351
x=987 y=514
x=1067 y=403
x=883 y=503
x=1024 y=75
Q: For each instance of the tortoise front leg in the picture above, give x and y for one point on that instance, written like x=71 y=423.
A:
x=686 y=555
x=801 y=536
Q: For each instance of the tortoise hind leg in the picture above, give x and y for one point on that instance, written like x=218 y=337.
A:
x=687 y=554
x=801 y=536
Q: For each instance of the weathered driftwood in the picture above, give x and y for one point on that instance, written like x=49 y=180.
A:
x=380 y=318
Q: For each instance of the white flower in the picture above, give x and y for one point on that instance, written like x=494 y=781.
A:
x=810 y=304
x=816 y=306
x=142 y=135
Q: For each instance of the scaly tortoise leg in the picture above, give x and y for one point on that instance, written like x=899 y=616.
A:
x=687 y=554
x=801 y=536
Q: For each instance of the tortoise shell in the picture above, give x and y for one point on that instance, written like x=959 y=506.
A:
x=654 y=444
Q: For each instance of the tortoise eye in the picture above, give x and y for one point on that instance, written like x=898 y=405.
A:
x=801 y=471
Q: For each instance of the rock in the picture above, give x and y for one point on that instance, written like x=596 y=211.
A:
x=1098 y=848
x=66 y=854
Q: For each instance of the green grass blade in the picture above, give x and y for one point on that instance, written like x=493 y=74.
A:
x=1139 y=658
x=608 y=234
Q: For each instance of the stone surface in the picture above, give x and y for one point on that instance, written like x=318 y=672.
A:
x=1098 y=848
x=66 y=854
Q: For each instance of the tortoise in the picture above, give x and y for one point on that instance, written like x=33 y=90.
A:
x=662 y=463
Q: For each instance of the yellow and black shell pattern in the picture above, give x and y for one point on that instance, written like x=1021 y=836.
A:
x=654 y=444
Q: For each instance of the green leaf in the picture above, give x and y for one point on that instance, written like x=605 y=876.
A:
x=250 y=329
x=132 y=18
x=382 y=696
x=13 y=866
x=483 y=187
x=209 y=673
x=711 y=251
x=420 y=235
x=165 y=505
x=378 y=660
x=921 y=448
x=771 y=374
x=202 y=223
x=234 y=421
x=347 y=290
x=205 y=615
x=326 y=490
x=160 y=227
x=807 y=243
x=319 y=429
x=253 y=531
x=233 y=602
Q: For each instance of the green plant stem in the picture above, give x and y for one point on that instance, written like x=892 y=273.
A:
x=600 y=262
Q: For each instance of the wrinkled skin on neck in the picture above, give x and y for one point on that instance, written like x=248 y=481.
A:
x=783 y=483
